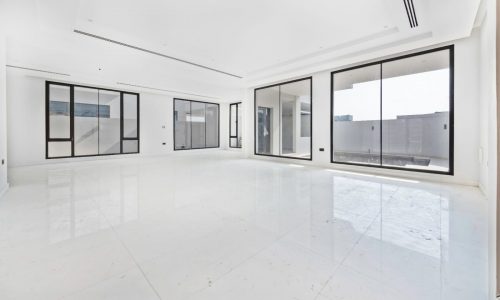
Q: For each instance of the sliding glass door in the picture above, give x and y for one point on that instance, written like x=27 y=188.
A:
x=283 y=120
x=356 y=123
x=396 y=113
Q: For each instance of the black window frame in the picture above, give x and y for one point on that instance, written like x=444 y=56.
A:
x=255 y=119
x=450 y=172
x=71 y=139
x=218 y=125
x=231 y=136
x=124 y=138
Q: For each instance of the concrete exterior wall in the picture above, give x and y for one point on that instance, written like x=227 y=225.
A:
x=419 y=135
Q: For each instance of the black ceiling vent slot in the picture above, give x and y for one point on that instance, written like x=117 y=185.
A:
x=36 y=70
x=410 y=12
x=153 y=52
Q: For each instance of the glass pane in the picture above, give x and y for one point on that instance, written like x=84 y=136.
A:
x=182 y=124
x=109 y=122
x=240 y=126
x=416 y=112
x=86 y=121
x=212 y=125
x=130 y=146
x=356 y=126
x=233 y=142
x=235 y=125
x=267 y=106
x=59 y=111
x=130 y=104
x=197 y=125
x=59 y=149
x=295 y=97
x=305 y=120
x=234 y=119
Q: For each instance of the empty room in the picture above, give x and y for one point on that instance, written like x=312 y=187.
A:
x=249 y=150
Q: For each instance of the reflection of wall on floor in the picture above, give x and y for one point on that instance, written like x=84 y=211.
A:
x=74 y=218
x=286 y=125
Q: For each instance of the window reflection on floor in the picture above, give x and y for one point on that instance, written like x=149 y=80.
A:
x=72 y=216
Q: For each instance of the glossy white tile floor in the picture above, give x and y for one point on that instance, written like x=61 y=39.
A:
x=214 y=226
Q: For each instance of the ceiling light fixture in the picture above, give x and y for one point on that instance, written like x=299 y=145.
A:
x=154 y=53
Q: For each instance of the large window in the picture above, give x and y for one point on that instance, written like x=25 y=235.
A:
x=396 y=113
x=87 y=121
x=283 y=119
x=235 y=125
x=196 y=124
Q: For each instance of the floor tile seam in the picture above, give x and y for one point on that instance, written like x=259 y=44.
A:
x=97 y=283
x=238 y=219
x=346 y=256
x=137 y=265
x=163 y=253
x=280 y=237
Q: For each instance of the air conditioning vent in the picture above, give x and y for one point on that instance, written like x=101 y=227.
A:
x=410 y=12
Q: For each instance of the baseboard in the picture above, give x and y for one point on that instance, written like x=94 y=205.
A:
x=4 y=190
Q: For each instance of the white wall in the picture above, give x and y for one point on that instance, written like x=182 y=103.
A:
x=3 y=116
x=26 y=122
x=488 y=131
x=156 y=124
x=466 y=120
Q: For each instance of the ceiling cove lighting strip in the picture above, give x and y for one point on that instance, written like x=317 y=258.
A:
x=153 y=52
x=36 y=70
x=410 y=12
x=164 y=90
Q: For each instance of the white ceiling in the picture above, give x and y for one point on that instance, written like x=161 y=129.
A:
x=259 y=40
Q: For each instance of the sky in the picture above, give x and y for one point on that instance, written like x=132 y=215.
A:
x=420 y=93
